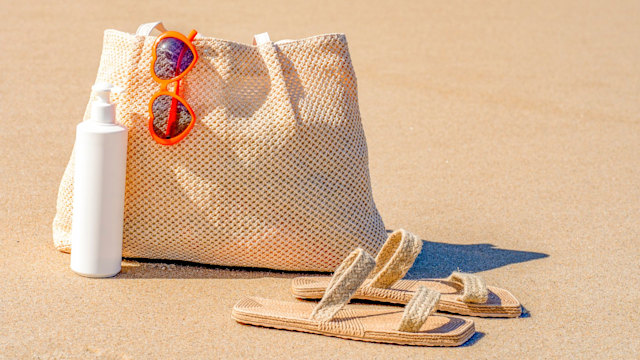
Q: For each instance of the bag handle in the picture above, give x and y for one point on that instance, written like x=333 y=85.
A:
x=269 y=52
x=146 y=28
x=263 y=38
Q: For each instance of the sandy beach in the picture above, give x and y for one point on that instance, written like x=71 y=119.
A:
x=505 y=134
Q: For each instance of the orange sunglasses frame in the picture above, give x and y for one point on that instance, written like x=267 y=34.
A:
x=164 y=83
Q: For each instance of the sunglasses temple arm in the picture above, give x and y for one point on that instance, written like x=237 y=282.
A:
x=174 y=102
x=172 y=115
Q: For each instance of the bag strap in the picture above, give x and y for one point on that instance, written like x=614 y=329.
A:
x=269 y=52
x=263 y=38
x=146 y=28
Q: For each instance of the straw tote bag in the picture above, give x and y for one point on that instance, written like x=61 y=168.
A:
x=274 y=174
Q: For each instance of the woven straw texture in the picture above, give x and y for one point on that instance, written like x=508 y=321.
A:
x=500 y=302
x=395 y=258
x=418 y=309
x=274 y=174
x=347 y=278
x=474 y=288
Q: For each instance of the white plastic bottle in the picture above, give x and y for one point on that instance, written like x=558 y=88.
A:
x=98 y=194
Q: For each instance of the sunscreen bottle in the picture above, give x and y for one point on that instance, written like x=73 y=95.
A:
x=98 y=189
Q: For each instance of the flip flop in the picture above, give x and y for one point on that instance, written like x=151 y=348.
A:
x=332 y=317
x=463 y=294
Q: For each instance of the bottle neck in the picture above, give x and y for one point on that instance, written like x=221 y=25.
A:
x=103 y=113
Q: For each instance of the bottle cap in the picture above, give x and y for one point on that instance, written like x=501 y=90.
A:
x=102 y=109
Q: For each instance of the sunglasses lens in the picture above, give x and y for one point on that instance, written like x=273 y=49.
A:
x=173 y=57
x=178 y=119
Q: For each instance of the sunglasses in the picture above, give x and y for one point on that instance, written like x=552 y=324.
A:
x=171 y=116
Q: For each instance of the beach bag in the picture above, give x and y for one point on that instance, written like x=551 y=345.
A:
x=274 y=173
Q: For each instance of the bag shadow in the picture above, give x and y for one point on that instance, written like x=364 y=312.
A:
x=436 y=260
x=439 y=260
x=170 y=269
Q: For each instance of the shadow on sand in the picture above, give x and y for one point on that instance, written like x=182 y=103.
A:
x=474 y=339
x=436 y=260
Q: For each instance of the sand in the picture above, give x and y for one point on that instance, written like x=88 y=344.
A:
x=505 y=134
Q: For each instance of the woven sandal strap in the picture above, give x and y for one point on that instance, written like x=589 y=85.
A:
x=416 y=312
x=474 y=289
x=395 y=258
x=347 y=278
